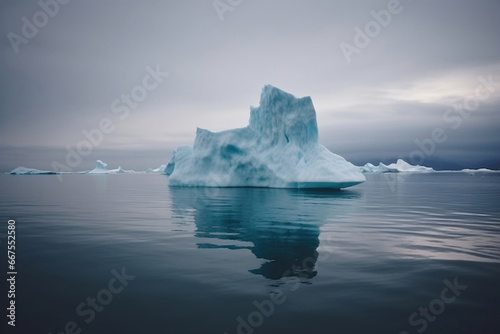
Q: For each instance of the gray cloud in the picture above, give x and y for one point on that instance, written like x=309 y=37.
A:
x=394 y=91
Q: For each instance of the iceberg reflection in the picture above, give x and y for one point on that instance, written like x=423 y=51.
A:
x=281 y=226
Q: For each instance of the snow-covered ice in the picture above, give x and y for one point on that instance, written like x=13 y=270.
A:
x=279 y=148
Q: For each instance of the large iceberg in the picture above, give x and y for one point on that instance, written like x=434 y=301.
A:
x=279 y=149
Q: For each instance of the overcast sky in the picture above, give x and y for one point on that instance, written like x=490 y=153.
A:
x=379 y=87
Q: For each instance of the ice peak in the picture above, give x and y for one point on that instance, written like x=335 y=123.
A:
x=271 y=94
x=282 y=116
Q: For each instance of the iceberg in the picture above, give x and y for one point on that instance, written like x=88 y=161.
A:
x=403 y=166
x=278 y=149
x=120 y=170
x=400 y=166
x=30 y=171
x=381 y=168
x=480 y=170
x=159 y=170
x=100 y=168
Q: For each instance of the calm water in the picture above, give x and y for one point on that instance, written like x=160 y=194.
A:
x=376 y=258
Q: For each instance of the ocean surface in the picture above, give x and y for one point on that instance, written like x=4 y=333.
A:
x=400 y=253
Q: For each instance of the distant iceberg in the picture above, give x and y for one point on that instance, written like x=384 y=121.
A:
x=480 y=170
x=100 y=168
x=381 y=168
x=120 y=170
x=159 y=170
x=400 y=166
x=30 y=171
x=279 y=149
